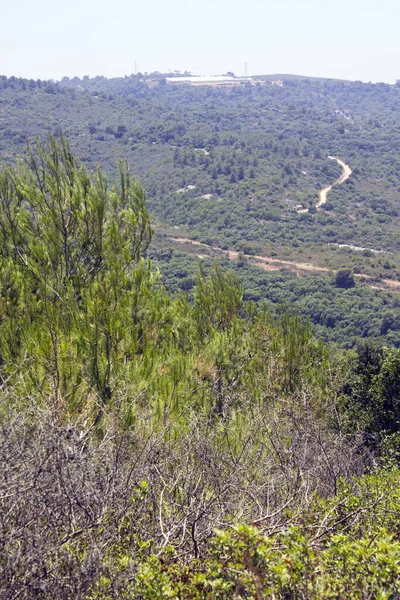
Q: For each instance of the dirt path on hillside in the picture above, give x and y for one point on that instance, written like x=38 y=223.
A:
x=268 y=263
x=323 y=194
x=265 y=261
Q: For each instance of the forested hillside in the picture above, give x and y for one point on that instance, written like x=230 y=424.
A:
x=157 y=445
x=240 y=168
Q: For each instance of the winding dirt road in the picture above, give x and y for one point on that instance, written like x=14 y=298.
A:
x=323 y=194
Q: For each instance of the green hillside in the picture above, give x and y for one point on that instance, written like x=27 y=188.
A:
x=229 y=165
x=165 y=446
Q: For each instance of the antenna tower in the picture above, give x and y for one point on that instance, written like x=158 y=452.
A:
x=135 y=68
x=245 y=69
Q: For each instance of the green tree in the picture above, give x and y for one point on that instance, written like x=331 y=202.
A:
x=372 y=393
x=71 y=272
x=345 y=278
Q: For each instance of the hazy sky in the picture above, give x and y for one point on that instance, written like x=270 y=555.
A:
x=353 y=39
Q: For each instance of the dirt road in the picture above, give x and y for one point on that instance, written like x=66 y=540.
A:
x=274 y=264
x=323 y=194
x=268 y=263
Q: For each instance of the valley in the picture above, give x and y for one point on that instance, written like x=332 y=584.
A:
x=244 y=169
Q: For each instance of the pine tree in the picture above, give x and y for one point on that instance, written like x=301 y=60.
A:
x=71 y=271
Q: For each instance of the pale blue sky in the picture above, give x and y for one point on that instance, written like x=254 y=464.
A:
x=353 y=39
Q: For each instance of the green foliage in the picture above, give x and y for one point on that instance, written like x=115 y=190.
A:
x=246 y=564
x=84 y=315
x=217 y=300
x=342 y=550
x=71 y=271
x=345 y=279
x=371 y=394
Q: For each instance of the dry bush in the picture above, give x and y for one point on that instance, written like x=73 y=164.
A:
x=73 y=500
